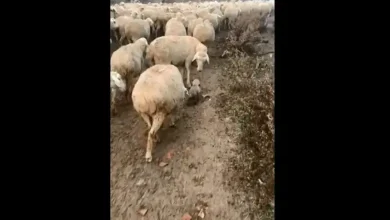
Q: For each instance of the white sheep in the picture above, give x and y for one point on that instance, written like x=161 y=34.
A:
x=128 y=61
x=213 y=18
x=175 y=27
x=158 y=92
x=177 y=50
x=194 y=93
x=117 y=83
x=114 y=28
x=230 y=15
x=204 y=32
x=136 y=29
x=192 y=24
x=121 y=21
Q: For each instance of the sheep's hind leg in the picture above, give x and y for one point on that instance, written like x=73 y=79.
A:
x=147 y=120
x=157 y=121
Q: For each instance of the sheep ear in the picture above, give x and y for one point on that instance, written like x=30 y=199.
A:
x=207 y=58
x=195 y=57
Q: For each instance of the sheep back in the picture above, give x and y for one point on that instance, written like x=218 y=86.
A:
x=175 y=27
x=158 y=89
x=204 y=32
x=172 y=49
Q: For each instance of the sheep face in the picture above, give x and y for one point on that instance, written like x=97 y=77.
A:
x=196 y=82
x=113 y=24
x=200 y=58
x=117 y=80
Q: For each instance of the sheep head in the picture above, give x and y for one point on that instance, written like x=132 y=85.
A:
x=117 y=80
x=200 y=58
x=113 y=24
x=196 y=82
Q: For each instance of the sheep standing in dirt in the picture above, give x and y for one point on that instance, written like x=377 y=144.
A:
x=117 y=84
x=158 y=92
x=175 y=27
x=136 y=29
x=204 y=32
x=177 y=50
x=128 y=61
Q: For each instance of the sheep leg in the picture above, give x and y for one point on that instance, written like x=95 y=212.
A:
x=172 y=120
x=128 y=40
x=158 y=120
x=182 y=69
x=113 y=104
x=147 y=120
x=188 y=64
x=121 y=40
x=129 y=83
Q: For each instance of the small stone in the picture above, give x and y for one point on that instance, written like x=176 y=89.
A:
x=140 y=182
x=201 y=214
x=143 y=211
x=163 y=164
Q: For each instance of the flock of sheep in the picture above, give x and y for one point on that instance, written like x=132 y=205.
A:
x=181 y=33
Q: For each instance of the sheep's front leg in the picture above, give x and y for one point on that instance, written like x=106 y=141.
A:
x=158 y=120
x=188 y=64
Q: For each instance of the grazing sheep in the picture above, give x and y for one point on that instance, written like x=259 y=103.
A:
x=204 y=32
x=128 y=61
x=136 y=29
x=175 y=27
x=194 y=93
x=117 y=83
x=192 y=24
x=158 y=92
x=177 y=50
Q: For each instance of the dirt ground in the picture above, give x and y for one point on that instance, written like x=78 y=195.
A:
x=197 y=151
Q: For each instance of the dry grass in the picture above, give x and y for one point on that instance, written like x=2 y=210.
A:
x=250 y=102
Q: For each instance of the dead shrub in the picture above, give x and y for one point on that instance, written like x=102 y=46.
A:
x=246 y=32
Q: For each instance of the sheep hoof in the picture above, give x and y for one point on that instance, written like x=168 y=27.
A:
x=148 y=157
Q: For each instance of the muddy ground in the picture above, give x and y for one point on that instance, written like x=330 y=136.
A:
x=197 y=151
